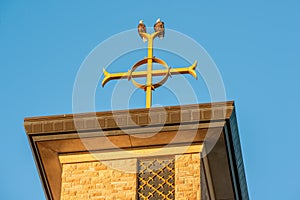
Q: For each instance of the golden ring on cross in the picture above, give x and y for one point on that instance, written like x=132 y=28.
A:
x=165 y=73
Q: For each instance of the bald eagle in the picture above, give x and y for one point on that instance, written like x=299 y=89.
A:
x=142 y=29
x=160 y=26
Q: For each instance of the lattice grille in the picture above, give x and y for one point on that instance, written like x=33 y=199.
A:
x=156 y=179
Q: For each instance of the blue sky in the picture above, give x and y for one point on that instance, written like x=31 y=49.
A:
x=255 y=45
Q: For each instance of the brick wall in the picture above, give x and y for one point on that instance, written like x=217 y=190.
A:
x=187 y=177
x=103 y=180
x=96 y=180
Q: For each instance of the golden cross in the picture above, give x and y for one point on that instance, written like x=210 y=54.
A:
x=149 y=86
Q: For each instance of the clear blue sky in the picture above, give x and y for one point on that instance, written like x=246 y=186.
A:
x=255 y=45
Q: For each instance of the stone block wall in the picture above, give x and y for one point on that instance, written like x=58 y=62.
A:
x=187 y=177
x=103 y=180
x=96 y=180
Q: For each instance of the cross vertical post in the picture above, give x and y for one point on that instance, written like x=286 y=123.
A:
x=149 y=84
x=149 y=73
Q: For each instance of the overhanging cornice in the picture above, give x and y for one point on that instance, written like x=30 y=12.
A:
x=51 y=136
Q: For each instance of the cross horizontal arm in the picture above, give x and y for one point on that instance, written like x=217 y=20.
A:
x=138 y=74
x=187 y=70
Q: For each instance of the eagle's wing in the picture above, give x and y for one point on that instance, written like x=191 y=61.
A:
x=160 y=26
x=142 y=29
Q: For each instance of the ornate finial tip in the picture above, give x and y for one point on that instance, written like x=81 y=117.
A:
x=195 y=64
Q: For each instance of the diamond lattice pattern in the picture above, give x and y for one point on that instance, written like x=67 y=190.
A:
x=156 y=179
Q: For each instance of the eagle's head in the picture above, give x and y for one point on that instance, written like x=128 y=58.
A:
x=158 y=20
x=141 y=22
